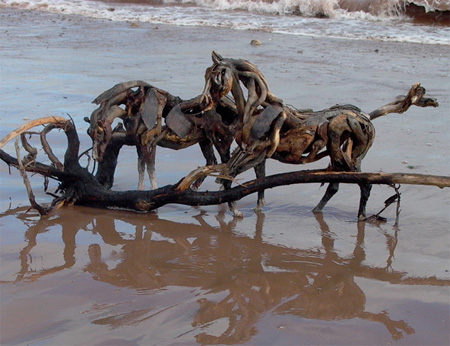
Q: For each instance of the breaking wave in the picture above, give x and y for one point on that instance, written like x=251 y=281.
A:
x=419 y=21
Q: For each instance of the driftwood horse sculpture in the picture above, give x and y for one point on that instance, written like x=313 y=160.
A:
x=151 y=117
x=267 y=128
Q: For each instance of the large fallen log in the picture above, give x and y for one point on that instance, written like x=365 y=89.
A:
x=180 y=193
x=81 y=188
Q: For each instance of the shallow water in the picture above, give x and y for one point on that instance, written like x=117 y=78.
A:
x=196 y=276
x=188 y=275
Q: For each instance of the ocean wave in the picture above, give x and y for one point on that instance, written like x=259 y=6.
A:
x=380 y=9
x=384 y=20
x=356 y=9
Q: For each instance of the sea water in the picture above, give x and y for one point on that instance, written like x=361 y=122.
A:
x=420 y=21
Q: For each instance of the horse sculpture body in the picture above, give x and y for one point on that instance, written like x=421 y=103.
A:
x=269 y=129
x=153 y=117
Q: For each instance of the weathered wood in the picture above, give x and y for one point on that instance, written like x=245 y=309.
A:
x=29 y=125
x=178 y=122
x=42 y=211
x=181 y=193
x=117 y=89
x=401 y=104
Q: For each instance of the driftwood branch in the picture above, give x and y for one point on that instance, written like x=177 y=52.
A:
x=181 y=193
x=36 y=167
x=29 y=125
x=26 y=181
x=48 y=149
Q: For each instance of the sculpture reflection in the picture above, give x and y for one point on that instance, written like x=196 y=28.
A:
x=241 y=278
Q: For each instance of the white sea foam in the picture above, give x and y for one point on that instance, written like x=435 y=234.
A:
x=331 y=8
x=282 y=16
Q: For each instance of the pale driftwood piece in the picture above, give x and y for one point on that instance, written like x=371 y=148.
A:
x=198 y=173
x=29 y=125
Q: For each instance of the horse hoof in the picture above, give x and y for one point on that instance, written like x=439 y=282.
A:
x=375 y=219
x=259 y=207
x=363 y=217
x=238 y=214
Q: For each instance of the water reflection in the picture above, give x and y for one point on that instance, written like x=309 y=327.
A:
x=242 y=277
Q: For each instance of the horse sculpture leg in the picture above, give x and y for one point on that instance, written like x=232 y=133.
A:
x=333 y=188
x=365 y=193
x=237 y=167
x=336 y=129
x=232 y=205
x=365 y=190
x=347 y=128
x=260 y=171
x=359 y=146
x=146 y=159
x=331 y=191
x=141 y=168
x=151 y=170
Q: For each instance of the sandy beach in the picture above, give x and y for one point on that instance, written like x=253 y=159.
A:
x=187 y=276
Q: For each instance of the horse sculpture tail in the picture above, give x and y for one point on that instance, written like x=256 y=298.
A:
x=401 y=104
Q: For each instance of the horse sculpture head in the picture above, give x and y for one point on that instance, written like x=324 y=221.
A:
x=219 y=79
x=230 y=75
x=101 y=135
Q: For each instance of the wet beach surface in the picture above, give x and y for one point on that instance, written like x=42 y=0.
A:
x=186 y=276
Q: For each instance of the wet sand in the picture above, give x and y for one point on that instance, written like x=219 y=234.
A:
x=186 y=276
